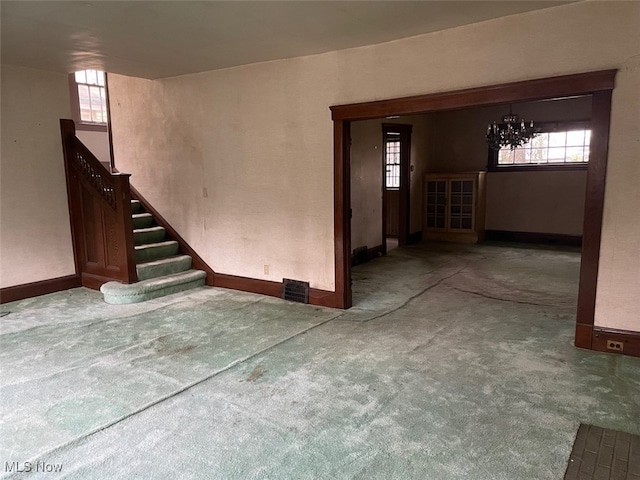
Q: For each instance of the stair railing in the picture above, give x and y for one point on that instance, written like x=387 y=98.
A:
x=100 y=215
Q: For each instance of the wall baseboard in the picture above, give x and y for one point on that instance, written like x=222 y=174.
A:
x=583 y=337
x=372 y=253
x=415 y=237
x=35 y=289
x=317 y=297
x=611 y=340
x=534 y=237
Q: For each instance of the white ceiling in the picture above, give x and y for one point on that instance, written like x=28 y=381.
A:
x=154 y=39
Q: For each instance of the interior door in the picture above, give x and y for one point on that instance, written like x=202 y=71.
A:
x=396 y=182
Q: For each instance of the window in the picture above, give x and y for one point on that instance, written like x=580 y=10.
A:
x=392 y=161
x=556 y=146
x=89 y=98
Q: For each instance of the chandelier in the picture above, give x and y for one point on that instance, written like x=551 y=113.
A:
x=512 y=132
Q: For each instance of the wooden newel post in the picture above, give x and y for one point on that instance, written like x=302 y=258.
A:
x=100 y=215
x=123 y=194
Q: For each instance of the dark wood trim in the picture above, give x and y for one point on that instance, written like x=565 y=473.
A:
x=599 y=84
x=533 y=237
x=35 y=289
x=273 y=289
x=543 y=88
x=342 y=211
x=245 y=284
x=415 y=237
x=594 y=207
x=197 y=262
x=603 y=336
x=73 y=197
x=372 y=253
x=583 y=336
x=383 y=194
x=94 y=280
x=324 y=298
x=112 y=160
x=99 y=212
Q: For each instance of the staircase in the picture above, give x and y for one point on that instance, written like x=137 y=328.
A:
x=160 y=268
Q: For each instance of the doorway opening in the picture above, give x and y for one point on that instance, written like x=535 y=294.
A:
x=597 y=84
x=396 y=188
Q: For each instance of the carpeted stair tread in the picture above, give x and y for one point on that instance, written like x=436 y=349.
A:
x=164 y=266
x=160 y=269
x=117 y=293
x=155 y=251
x=148 y=235
x=142 y=220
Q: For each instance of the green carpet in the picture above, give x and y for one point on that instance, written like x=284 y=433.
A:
x=456 y=362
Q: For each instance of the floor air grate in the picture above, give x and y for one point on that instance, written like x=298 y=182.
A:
x=295 y=290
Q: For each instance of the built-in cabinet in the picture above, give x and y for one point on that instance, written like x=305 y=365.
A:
x=454 y=207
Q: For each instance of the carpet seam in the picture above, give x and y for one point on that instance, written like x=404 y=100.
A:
x=177 y=392
x=410 y=299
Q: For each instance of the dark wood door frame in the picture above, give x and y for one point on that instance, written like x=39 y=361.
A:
x=598 y=84
x=404 y=207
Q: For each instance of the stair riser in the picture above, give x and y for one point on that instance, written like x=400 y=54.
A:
x=135 y=206
x=155 y=253
x=143 y=222
x=124 y=299
x=117 y=293
x=146 y=272
x=143 y=238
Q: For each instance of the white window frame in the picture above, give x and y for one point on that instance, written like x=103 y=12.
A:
x=74 y=86
x=554 y=164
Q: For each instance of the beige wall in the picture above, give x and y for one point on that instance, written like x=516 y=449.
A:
x=35 y=236
x=540 y=202
x=366 y=176
x=619 y=275
x=258 y=139
x=422 y=141
x=366 y=184
x=97 y=142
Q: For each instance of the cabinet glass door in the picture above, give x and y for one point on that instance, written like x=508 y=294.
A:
x=461 y=206
x=436 y=203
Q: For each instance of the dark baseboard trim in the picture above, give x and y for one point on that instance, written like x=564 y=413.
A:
x=94 y=282
x=602 y=338
x=245 y=284
x=372 y=253
x=318 y=297
x=533 y=237
x=35 y=289
x=584 y=334
x=197 y=262
x=415 y=237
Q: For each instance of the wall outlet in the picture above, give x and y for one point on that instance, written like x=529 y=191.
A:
x=613 y=345
x=266 y=269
